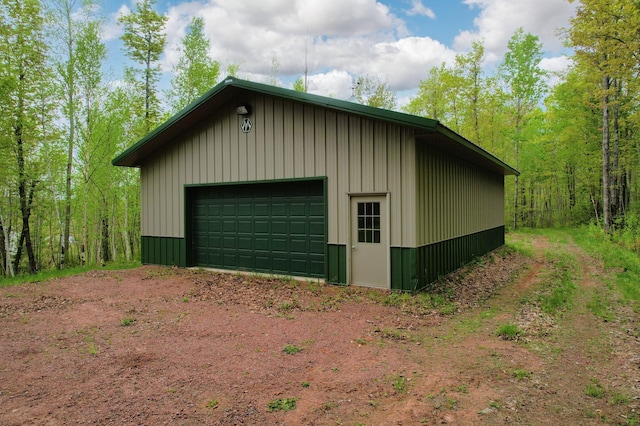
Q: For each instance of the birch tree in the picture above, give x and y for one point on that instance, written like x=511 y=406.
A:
x=196 y=72
x=144 y=39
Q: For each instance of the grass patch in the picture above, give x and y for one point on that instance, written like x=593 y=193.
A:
x=521 y=374
x=508 y=332
x=126 y=322
x=212 y=403
x=559 y=287
x=624 y=261
x=43 y=276
x=291 y=349
x=594 y=389
x=282 y=404
x=600 y=307
x=619 y=398
x=400 y=384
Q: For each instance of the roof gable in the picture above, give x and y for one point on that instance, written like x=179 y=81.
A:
x=233 y=88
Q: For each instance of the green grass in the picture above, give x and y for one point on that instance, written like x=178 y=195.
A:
x=212 y=403
x=400 y=384
x=126 y=322
x=521 y=374
x=508 y=331
x=43 y=276
x=594 y=389
x=282 y=404
x=558 y=287
x=291 y=349
x=624 y=262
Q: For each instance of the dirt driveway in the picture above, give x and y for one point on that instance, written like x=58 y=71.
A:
x=154 y=346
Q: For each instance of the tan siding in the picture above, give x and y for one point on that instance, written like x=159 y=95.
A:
x=395 y=186
x=332 y=173
x=367 y=156
x=298 y=141
x=309 y=142
x=288 y=140
x=319 y=143
x=380 y=148
x=355 y=155
x=455 y=198
x=408 y=176
x=343 y=179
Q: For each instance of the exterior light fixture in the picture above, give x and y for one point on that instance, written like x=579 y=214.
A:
x=243 y=110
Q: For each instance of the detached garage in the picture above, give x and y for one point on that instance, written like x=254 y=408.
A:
x=253 y=177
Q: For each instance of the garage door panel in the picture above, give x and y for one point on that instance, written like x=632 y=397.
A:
x=276 y=227
x=280 y=245
x=229 y=242
x=245 y=226
x=298 y=227
x=279 y=227
x=299 y=247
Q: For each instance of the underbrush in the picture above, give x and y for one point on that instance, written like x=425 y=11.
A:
x=42 y=276
x=621 y=260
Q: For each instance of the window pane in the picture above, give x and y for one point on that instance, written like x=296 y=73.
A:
x=369 y=236
x=376 y=236
x=360 y=209
x=361 y=236
x=376 y=209
x=360 y=222
x=369 y=209
x=376 y=222
x=369 y=223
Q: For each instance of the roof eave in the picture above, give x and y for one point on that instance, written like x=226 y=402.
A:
x=507 y=169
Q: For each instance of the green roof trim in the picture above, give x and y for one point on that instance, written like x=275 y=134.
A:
x=223 y=91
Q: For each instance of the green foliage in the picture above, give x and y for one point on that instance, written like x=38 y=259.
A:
x=594 y=389
x=559 y=287
x=622 y=260
x=508 y=331
x=196 y=72
x=144 y=39
x=521 y=374
x=400 y=384
x=291 y=349
x=373 y=91
x=212 y=403
x=282 y=404
x=126 y=322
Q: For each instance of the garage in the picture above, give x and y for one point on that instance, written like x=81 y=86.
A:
x=254 y=177
x=274 y=227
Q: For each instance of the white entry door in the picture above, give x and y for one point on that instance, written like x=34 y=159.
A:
x=369 y=242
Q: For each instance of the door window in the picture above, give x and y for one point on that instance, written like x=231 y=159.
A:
x=369 y=222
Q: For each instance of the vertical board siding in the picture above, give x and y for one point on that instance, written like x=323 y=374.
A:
x=413 y=269
x=163 y=251
x=454 y=198
x=288 y=140
x=336 y=263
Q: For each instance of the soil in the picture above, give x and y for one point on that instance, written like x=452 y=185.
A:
x=156 y=345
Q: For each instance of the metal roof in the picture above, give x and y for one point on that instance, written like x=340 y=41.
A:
x=427 y=130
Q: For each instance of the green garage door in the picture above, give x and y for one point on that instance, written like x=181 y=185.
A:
x=267 y=227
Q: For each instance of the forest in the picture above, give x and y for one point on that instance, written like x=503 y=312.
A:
x=64 y=205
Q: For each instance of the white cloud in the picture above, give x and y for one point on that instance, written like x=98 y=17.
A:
x=356 y=37
x=335 y=84
x=557 y=67
x=417 y=8
x=499 y=19
x=111 y=30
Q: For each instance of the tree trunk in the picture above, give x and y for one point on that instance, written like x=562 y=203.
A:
x=26 y=197
x=105 y=239
x=5 y=239
x=606 y=172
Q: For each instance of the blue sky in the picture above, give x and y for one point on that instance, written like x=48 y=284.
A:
x=395 y=40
